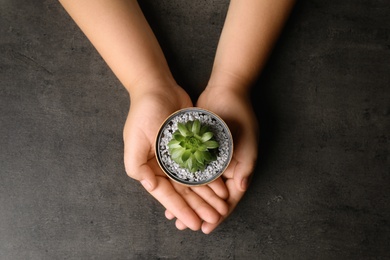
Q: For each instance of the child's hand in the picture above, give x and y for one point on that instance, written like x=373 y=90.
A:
x=190 y=206
x=235 y=108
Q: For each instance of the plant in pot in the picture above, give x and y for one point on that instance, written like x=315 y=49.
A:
x=194 y=146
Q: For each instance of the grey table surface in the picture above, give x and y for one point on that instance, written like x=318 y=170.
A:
x=322 y=184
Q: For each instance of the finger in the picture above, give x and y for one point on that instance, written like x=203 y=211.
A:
x=235 y=196
x=169 y=215
x=180 y=225
x=219 y=188
x=174 y=203
x=201 y=208
x=209 y=196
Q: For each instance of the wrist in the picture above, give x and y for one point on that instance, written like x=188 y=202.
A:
x=158 y=84
x=164 y=93
x=225 y=81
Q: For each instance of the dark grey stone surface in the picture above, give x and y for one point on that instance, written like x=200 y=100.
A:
x=322 y=186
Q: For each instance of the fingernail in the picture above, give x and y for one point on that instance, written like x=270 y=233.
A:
x=146 y=185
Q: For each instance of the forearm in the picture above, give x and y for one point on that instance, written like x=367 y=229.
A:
x=250 y=31
x=122 y=36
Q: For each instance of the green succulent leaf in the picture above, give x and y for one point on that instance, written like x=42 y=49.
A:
x=207 y=136
x=211 y=144
x=186 y=155
x=177 y=152
x=190 y=163
x=196 y=127
x=208 y=157
x=199 y=156
x=174 y=144
x=178 y=137
x=203 y=129
x=189 y=126
x=183 y=129
x=202 y=148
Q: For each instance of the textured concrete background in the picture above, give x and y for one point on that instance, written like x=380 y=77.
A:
x=322 y=185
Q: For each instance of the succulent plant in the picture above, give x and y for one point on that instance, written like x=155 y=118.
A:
x=193 y=146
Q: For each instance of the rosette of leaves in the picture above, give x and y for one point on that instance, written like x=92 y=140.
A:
x=193 y=146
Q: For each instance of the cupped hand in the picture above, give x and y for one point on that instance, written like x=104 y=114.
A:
x=147 y=112
x=235 y=108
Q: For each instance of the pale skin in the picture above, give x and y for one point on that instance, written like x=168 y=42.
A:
x=122 y=36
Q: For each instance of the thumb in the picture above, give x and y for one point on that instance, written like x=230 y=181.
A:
x=137 y=163
x=246 y=156
x=147 y=178
x=243 y=175
x=142 y=173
